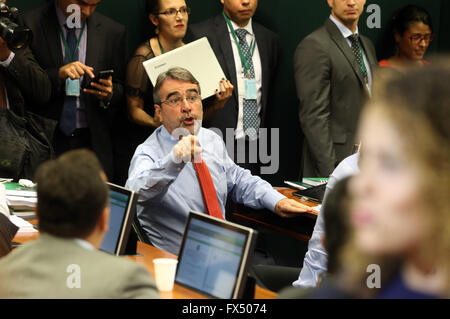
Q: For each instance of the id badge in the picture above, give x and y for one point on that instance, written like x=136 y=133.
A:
x=241 y=87
x=72 y=87
x=250 y=89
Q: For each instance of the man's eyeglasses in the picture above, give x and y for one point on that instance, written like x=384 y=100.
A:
x=177 y=100
x=173 y=12
x=417 y=37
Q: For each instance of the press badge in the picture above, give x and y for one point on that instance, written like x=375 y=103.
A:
x=241 y=87
x=72 y=87
x=250 y=89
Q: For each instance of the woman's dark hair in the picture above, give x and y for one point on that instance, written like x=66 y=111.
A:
x=400 y=22
x=151 y=6
x=408 y=14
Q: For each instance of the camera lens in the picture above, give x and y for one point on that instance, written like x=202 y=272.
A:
x=20 y=37
x=15 y=36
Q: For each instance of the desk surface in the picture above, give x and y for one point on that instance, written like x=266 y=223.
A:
x=147 y=254
x=299 y=227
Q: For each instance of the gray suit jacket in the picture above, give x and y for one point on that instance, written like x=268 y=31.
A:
x=41 y=269
x=331 y=93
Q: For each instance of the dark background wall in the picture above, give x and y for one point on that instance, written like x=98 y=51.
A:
x=292 y=20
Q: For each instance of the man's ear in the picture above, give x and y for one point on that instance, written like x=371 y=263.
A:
x=330 y=3
x=158 y=112
x=104 y=219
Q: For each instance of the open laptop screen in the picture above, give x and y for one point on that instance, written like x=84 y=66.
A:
x=214 y=256
x=120 y=219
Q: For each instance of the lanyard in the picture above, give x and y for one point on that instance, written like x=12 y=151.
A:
x=362 y=65
x=63 y=38
x=160 y=46
x=245 y=63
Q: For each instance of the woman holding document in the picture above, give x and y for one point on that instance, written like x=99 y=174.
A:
x=170 y=19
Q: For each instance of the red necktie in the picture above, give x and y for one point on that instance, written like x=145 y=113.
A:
x=208 y=190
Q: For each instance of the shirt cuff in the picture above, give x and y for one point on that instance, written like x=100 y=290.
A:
x=271 y=199
x=8 y=61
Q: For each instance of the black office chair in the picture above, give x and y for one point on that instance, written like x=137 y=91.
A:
x=136 y=234
x=273 y=277
x=139 y=231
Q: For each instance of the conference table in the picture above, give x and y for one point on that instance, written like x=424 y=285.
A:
x=299 y=227
x=145 y=255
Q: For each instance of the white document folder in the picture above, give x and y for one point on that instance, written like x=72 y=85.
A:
x=197 y=57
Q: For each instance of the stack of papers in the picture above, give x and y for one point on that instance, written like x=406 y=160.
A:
x=20 y=198
x=307 y=182
x=24 y=226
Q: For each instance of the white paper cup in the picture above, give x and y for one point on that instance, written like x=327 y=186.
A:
x=165 y=269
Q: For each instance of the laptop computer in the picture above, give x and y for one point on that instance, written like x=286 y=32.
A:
x=197 y=57
x=214 y=256
x=122 y=203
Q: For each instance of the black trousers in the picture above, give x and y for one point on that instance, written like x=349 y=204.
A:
x=81 y=138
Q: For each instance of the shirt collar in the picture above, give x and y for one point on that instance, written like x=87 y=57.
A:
x=169 y=137
x=346 y=32
x=84 y=244
x=166 y=135
x=248 y=27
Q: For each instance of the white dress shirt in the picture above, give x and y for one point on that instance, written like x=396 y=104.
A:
x=346 y=32
x=316 y=258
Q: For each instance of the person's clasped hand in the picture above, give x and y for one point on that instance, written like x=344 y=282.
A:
x=226 y=91
x=187 y=149
x=102 y=90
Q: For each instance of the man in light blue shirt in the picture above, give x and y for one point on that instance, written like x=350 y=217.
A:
x=163 y=175
x=316 y=257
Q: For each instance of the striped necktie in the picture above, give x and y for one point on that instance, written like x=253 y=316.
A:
x=356 y=49
x=250 y=107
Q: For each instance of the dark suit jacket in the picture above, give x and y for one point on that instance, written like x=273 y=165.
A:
x=331 y=92
x=27 y=85
x=216 y=30
x=105 y=50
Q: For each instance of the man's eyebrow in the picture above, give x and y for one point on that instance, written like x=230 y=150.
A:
x=172 y=94
x=192 y=90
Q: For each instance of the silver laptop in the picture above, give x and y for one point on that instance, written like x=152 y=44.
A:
x=214 y=256
x=122 y=203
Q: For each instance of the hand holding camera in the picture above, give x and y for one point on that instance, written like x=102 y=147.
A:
x=14 y=35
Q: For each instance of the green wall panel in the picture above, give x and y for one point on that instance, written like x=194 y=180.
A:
x=292 y=20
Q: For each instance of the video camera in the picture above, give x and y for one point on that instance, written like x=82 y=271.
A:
x=16 y=36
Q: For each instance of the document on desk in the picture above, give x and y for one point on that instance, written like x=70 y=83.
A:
x=197 y=57
x=24 y=226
